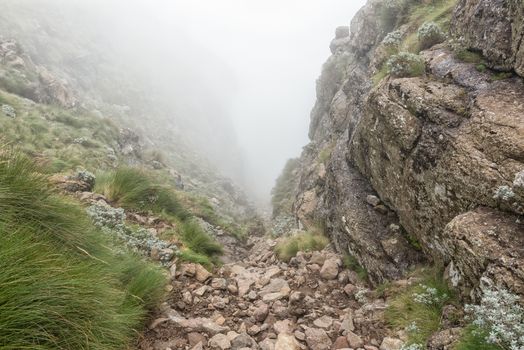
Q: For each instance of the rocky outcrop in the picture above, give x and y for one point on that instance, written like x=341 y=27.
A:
x=19 y=75
x=486 y=249
x=331 y=188
x=434 y=147
x=431 y=148
x=495 y=28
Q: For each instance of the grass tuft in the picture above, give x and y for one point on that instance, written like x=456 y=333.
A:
x=418 y=312
x=301 y=242
x=196 y=239
x=135 y=189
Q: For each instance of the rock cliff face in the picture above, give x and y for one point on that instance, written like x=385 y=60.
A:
x=443 y=152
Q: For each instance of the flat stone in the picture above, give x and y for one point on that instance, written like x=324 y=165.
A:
x=323 y=322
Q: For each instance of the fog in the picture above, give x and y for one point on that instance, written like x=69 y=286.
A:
x=236 y=78
x=275 y=50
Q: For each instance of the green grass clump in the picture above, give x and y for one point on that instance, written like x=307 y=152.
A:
x=62 y=285
x=187 y=255
x=469 y=56
x=196 y=239
x=473 y=338
x=135 y=189
x=418 y=309
x=501 y=76
x=350 y=262
x=301 y=242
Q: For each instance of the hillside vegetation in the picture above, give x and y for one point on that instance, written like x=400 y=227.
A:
x=63 y=285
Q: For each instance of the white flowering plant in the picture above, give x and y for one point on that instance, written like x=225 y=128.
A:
x=498 y=319
x=405 y=64
x=504 y=193
x=430 y=296
x=393 y=38
x=430 y=34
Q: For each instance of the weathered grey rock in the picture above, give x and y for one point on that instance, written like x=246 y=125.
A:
x=261 y=312
x=329 y=270
x=354 y=340
x=391 y=344
x=243 y=341
x=495 y=28
x=219 y=341
x=484 y=248
x=318 y=339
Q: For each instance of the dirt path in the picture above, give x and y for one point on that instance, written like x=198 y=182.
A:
x=258 y=302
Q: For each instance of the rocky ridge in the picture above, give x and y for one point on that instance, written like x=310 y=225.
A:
x=426 y=167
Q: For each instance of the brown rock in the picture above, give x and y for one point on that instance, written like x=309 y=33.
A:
x=354 y=340
x=318 y=339
x=330 y=268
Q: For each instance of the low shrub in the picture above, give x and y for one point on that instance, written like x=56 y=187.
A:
x=301 y=242
x=418 y=309
x=429 y=34
x=405 y=64
x=393 y=39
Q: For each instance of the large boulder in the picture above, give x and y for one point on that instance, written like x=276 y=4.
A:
x=485 y=249
x=434 y=148
x=493 y=27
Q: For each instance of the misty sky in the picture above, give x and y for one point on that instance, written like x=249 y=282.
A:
x=247 y=65
x=274 y=50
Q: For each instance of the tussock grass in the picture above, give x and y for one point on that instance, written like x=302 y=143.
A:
x=63 y=287
x=133 y=188
x=188 y=255
x=419 y=319
x=196 y=239
x=301 y=242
